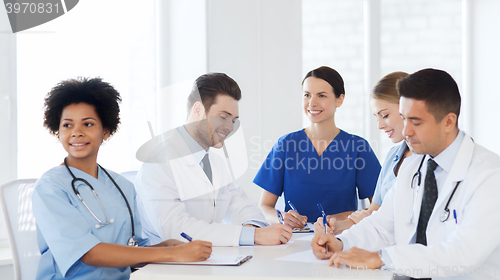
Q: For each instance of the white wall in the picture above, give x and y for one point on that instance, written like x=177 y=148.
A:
x=413 y=35
x=332 y=33
x=8 y=110
x=8 y=121
x=258 y=43
x=72 y=46
x=485 y=60
x=7 y=272
x=8 y=107
x=181 y=55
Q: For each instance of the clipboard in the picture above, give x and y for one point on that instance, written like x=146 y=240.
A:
x=216 y=260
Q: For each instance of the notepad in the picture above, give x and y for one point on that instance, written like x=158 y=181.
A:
x=217 y=260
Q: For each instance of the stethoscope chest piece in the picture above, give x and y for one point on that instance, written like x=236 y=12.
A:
x=445 y=215
x=132 y=242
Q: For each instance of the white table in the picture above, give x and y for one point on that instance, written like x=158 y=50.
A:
x=262 y=266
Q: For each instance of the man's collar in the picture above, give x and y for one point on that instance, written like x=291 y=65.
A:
x=446 y=158
x=197 y=151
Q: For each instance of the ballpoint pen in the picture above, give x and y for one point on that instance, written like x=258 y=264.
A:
x=455 y=216
x=280 y=217
x=324 y=226
x=293 y=207
x=321 y=209
x=187 y=237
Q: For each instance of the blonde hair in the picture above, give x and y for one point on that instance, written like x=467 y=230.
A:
x=386 y=89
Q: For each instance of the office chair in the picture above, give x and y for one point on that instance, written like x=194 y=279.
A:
x=15 y=198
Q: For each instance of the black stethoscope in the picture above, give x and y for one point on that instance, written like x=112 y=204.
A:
x=131 y=241
x=417 y=180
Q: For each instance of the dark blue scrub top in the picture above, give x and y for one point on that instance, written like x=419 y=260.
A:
x=294 y=168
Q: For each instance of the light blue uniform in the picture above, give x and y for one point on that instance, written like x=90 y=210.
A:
x=387 y=177
x=66 y=229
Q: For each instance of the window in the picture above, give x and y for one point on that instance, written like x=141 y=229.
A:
x=111 y=39
x=413 y=35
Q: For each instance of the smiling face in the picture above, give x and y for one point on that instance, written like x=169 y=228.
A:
x=388 y=118
x=424 y=135
x=218 y=123
x=320 y=102
x=81 y=133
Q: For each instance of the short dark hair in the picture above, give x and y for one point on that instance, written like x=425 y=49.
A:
x=331 y=76
x=92 y=91
x=436 y=88
x=208 y=86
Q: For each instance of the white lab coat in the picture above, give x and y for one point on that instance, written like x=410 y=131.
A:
x=176 y=196
x=471 y=246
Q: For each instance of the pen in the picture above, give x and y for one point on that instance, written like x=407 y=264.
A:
x=323 y=214
x=187 y=237
x=324 y=226
x=280 y=217
x=321 y=209
x=455 y=216
x=294 y=209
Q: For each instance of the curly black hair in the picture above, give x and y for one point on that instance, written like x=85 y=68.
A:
x=92 y=91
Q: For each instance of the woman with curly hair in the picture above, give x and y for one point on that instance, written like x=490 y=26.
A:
x=87 y=218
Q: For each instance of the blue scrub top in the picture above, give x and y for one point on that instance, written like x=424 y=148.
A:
x=387 y=177
x=294 y=168
x=66 y=229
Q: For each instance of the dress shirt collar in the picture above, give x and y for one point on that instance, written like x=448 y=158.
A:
x=446 y=158
x=196 y=149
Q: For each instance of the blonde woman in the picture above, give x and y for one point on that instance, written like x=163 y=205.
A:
x=385 y=107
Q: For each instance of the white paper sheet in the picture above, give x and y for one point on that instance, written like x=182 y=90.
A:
x=308 y=237
x=281 y=246
x=305 y=256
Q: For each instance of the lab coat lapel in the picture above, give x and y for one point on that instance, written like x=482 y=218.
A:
x=457 y=174
x=215 y=175
x=220 y=170
x=203 y=185
x=189 y=177
x=410 y=199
